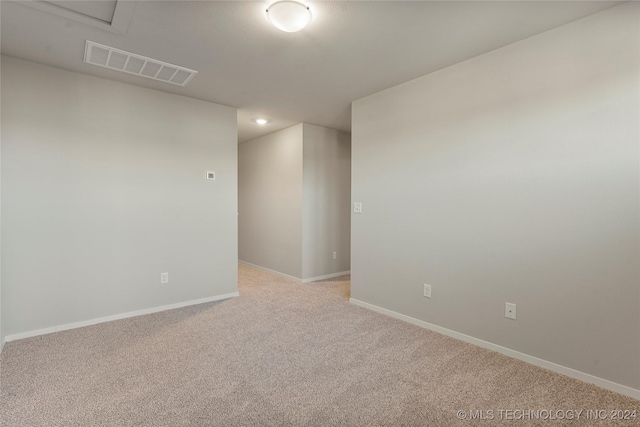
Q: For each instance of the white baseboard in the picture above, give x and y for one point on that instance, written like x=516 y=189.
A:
x=582 y=376
x=136 y=313
x=326 y=276
x=297 y=279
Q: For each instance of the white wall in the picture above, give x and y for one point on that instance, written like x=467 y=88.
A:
x=514 y=177
x=102 y=190
x=326 y=221
x=270 y=201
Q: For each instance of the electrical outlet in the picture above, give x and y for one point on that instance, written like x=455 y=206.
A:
x=427 y=291
x=164 y=277
x=335 y=255
x=510 y=310
x=357 y=207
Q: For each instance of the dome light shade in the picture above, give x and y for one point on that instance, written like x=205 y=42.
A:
x=289 y=15
x=261 y=121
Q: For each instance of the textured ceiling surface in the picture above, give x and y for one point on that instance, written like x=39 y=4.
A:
x=350 y=49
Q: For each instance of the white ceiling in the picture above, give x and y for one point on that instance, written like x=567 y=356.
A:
x=351 y=48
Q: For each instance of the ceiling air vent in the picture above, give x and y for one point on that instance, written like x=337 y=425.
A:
x=116 y=59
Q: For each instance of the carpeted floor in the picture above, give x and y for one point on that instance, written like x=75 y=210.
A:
x=281 y=354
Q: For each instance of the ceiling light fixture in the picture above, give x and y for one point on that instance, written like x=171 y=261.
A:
x=261 y=122
x=289 y=15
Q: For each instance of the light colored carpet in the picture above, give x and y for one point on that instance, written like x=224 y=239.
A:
x=281 y=354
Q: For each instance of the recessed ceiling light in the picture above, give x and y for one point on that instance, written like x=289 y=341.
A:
x=261 y=122
x=289 y=15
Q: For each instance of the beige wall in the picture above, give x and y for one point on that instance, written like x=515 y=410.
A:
x=294 y=192
x=102 y=190
x=513 y=176
x=270 y=201
x=326 y=222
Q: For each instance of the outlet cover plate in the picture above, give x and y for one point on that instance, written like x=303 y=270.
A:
x=510 y=310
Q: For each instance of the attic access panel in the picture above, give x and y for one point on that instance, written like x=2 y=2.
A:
x=101 y=9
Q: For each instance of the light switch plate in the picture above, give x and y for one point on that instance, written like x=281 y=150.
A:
x=427 y=291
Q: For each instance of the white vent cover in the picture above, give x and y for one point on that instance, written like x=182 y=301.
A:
x=116 y=59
